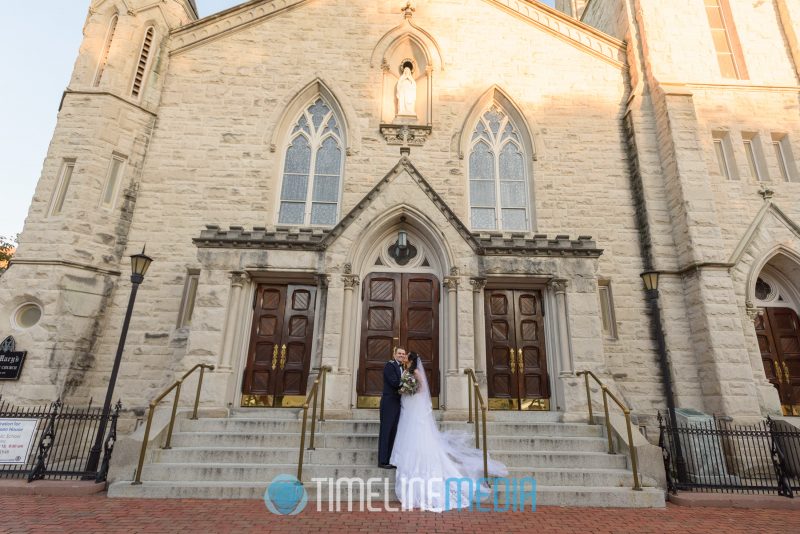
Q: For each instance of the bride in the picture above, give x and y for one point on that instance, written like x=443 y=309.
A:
x=426 y=457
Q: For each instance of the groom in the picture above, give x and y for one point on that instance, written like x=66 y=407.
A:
x=390 y=406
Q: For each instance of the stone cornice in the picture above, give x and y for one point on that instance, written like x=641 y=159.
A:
x=313 y=239
x=226 y=22
x=571 y=30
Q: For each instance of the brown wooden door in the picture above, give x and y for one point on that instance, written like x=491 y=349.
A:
x=398 y=310
x=419 y=323
x=516 y=359
x=778 y=333
x=279 y=357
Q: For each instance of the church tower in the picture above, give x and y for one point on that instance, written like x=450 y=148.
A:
x=70 y=258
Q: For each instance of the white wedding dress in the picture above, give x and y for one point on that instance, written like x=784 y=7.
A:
x=426 y=457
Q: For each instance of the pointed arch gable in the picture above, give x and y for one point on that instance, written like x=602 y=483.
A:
x=279 y=126
x=461 y=139
x=407 y=30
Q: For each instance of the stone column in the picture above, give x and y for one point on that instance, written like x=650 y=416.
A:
x=232 y=318
x=559 y=288
x=351 y=282
x=479 y=322
x=451 y=284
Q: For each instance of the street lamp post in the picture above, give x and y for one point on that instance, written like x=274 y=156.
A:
x=139 y=265
x=650 y=279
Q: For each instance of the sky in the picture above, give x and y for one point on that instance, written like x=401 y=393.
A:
x=42 y=38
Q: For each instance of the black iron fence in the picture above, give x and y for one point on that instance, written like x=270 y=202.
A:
x=62 y=437
x=715 y=455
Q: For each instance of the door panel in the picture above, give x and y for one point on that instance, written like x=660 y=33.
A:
x=515 y=352
x=778 y=333
x=279 y=358
x=398 y=309
x=380 y=330
x=530 y=328
x=419 y=326
x=295 y=359
x=501 y=344
x=265 y=340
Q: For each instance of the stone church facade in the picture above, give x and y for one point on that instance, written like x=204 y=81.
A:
x=483 y=182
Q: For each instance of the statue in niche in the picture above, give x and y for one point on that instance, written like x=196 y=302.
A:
x=407 y=93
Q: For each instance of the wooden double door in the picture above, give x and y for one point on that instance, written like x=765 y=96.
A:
x=778 y=333
x=398 y=309
x=516 y=359
x=279 y=356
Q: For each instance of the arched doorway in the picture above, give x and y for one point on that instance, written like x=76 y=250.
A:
x=775 y=293
x=401 y=305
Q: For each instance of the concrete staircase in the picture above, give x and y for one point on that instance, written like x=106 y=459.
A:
x=235 y=458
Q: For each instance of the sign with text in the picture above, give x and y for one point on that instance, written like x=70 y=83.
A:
x=16 y=437
x=11 y=360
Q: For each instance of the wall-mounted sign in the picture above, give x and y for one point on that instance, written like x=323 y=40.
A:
x=11 y=360
x=16 y=437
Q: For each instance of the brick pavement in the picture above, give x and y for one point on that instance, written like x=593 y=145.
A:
x=87 y=515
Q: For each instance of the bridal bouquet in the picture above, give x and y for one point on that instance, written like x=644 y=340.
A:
x=408 y=383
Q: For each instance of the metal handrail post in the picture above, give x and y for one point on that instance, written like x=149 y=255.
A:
x=608 y=421
x=469 y=398
x=172 y=417
x=313 y=413
x=138 y=477
x=324 y=372
x=302 y=443
x=589 y=398
x=634 y=458
x=197 y=396
x=485 y=446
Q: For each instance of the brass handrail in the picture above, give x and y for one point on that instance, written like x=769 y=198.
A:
x=177 y=387
x=311 y=399
x=478 y=398
x=625 y=410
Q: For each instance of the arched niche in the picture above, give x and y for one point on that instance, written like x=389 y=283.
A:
x=407 y=51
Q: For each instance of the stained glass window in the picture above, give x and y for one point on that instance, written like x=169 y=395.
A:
x=498 y=187
x=315 y=145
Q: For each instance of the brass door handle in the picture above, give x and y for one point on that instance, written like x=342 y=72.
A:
x=520 y=363
x=511 y=361
x=283 y=356
x=274 y=357
x=777 y=371
x=785 y=372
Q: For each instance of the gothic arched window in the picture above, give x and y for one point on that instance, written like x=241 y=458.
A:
x=498 y=184
x=312 y=169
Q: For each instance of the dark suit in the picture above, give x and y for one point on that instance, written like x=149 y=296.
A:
x=390 y=410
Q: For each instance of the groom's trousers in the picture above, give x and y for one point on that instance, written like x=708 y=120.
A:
x=390 y=416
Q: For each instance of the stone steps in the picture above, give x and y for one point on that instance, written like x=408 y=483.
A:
x=227 y=472
x=259 y=425
x=356 y=441
x=600 y=497
x=237 y=457
x=369 y=458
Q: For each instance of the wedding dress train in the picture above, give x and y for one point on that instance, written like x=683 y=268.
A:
x=426 y=458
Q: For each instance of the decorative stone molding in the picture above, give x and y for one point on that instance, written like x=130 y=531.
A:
x=226 y=22
x=576 y=33
x=351 y=281
x=323 y=280
x=478 y=284
x=752 y=311
x=451 y=282
x=317 y=239
x=348 y=268
x=238 y=278
x=454 y=271
x=405 y=134
x=559 y=285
